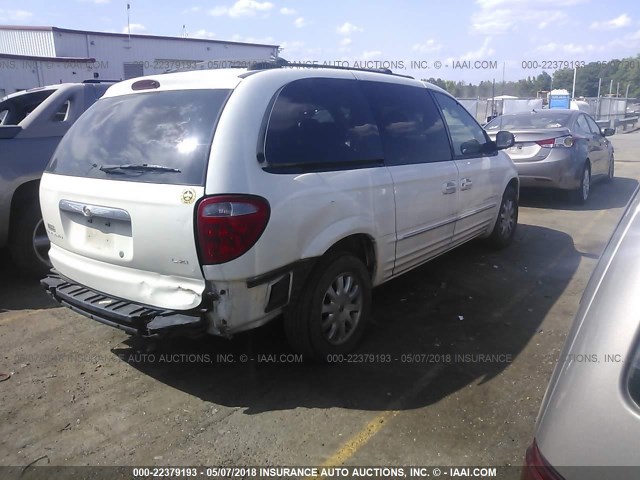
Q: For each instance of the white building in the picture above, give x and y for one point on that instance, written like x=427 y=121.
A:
x=37 y=56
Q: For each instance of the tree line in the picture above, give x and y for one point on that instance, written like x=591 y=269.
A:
x=624 y=72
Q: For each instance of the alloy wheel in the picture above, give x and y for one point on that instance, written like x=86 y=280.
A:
x=341 y=308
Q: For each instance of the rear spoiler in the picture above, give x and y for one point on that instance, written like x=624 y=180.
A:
x=9 y=131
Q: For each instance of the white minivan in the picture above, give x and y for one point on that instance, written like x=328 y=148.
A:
x=214 y=201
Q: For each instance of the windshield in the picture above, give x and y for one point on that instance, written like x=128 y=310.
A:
x=531 y=120
x=171 y=129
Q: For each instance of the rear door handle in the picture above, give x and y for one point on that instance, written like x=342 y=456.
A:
x=466 y=184
x=449 y=187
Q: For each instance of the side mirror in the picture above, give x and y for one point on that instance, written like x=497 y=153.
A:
x=504 y=140
x=607 y=132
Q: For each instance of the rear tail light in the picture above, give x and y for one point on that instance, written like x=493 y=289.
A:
x=536 y=466
x=564 y=141
x=229 y=225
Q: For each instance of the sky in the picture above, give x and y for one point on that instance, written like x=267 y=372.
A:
x=468 y=40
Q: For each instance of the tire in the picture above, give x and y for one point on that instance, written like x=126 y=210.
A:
x=581 y=194
x=28 y=243
x=505 y=228
x=307 y=322
x=612 y=167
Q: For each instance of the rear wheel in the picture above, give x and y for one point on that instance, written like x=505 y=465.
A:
x=331 y=313
x=581 y=194
x=612 y=166
x=505 y=227
x=29 y=244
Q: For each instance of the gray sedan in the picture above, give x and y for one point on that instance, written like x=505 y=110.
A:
x=589 y=424
x=557 y=148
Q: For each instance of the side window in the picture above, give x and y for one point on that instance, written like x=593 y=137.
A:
x=321 y=123
x=594 y=126
x=410 y=124
x=62 y=114
x=3 y=115
x=582 y=126
x=467 y=136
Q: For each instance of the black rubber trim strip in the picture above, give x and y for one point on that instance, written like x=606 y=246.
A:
x=298 y=267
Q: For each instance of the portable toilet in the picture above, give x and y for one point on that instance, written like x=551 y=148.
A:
x=559 y=99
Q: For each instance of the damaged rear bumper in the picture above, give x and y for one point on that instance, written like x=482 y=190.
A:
x=133 y=318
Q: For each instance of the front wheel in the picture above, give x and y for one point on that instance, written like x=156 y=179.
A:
x=505 y=227
x=612 y=167
x=331 y=313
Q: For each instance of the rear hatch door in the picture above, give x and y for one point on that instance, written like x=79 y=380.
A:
x=119 y=193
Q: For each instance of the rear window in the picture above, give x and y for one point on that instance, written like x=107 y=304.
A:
x=171 y=129
x=526 y=121
x=15 y=109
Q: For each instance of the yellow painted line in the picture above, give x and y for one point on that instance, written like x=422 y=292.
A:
x=360 y=439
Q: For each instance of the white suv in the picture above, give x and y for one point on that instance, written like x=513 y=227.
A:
x=214 y=201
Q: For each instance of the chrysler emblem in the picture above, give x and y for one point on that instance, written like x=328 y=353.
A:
x=86 y=211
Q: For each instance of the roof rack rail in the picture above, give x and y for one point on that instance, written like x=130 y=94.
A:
x=266 y=65
x=99 y=80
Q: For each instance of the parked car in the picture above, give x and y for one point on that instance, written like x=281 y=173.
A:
x=32 y=123
x=589 y=421
x=216 y=200
x=558 y=148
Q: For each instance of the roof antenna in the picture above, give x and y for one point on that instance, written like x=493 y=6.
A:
x=128 y=23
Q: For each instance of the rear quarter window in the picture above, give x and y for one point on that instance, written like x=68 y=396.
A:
x=172 y=129
x=321 y=124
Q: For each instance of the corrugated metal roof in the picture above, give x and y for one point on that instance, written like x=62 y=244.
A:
x=47 y=59
x=27 y=42
x=43 y=29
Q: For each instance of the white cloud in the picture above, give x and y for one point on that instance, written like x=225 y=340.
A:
x=547 y=47
x=570 y=48
x=219 y=11
x=618 y=22
x=192 y=10
x=98 y=2
x=502 y=16
x=242 y=8
x=428 y=47
x=480 y=54
x=483 y=52
x=264 y=40
x=300 y=22
x=134 y=28
x=12 y=15
x=346 y=41
x=370 y=54
x=291 y=47
x=287 y=11
x=348 y=28
x=202 y=33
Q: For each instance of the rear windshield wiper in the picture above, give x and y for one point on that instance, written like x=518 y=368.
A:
x=144 y=167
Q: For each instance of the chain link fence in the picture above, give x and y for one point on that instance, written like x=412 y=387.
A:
x=602 y=109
